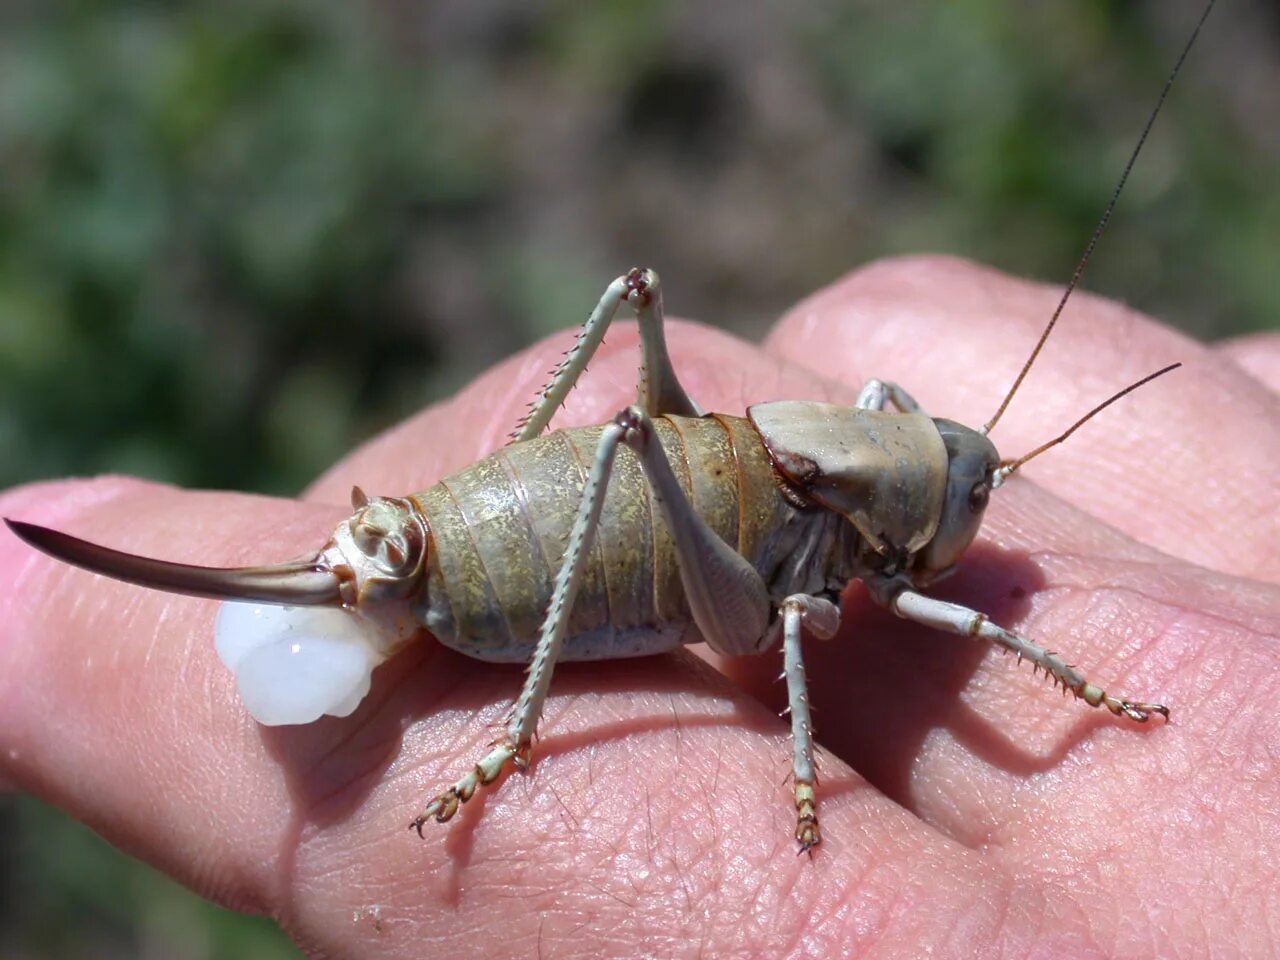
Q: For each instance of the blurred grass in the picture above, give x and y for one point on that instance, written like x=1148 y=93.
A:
x=236 y=238
x=69 y=894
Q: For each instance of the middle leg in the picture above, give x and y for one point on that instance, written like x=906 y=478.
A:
x=822 y=618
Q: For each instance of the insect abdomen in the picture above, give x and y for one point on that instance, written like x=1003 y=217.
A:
x=499 y=529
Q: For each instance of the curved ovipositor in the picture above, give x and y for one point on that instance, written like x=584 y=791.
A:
x=302 y=646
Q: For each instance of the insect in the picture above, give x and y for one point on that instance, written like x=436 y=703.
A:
x=663 y=527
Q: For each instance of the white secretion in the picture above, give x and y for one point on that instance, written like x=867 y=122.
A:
x=296 y=664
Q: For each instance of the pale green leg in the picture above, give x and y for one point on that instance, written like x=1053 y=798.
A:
x=659 y=390
x=955 y=618
x=822 y=618
x=523 y=721
x=728 y=599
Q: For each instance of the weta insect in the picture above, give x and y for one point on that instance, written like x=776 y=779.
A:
x=663 y=527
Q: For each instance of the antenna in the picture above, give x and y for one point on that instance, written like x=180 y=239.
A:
x=1007 y=467
x=1097 y=233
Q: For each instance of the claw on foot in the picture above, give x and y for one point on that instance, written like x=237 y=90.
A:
x=443 y=807
x=808 y=835
x=1139 y=712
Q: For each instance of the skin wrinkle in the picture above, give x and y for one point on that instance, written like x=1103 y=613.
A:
x=353 y=781
x=903 y=908
x=1061 y=900
x=1007 y=903
x=1220 y=590
x=1176 y=576
x=890 y=906
x=336 y=862
x=959 y=927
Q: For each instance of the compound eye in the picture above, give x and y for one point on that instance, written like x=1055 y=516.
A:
x=978 y=497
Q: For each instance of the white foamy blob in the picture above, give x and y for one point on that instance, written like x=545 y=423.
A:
x=296 y=664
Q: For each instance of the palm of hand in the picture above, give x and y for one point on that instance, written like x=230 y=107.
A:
x=656 y=817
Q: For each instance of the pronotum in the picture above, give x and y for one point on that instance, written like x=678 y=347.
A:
x=686 y=527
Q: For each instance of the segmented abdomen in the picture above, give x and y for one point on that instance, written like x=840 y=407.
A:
x=499 y=529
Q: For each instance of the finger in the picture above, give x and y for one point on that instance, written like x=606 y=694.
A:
x=957 y=740
x=658 y=808
x=1258 y=355
x=112 y=703
x=660 y=792
x=1186 y=465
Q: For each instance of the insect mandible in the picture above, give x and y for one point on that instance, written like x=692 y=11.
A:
x=663 y=527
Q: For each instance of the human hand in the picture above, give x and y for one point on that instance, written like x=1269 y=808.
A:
x=656 y=819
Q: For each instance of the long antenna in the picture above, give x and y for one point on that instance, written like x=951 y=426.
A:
x=1007 y=467
x=1102 y=225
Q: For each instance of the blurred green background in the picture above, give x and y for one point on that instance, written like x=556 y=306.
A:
x=236 y=238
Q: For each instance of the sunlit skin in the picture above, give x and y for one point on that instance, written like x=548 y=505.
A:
x=986 y=812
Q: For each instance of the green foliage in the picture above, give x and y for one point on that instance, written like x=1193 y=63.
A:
x=1015 y=126
x=203 y=211
x=66 y=893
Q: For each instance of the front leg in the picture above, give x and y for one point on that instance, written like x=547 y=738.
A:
x=955 y=618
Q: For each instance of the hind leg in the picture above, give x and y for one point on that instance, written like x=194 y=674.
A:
x=523 y=721
x=728 y=599
x=660 y=391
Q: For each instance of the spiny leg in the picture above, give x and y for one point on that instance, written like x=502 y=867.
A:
x=822 y=617
x=730 y=604
x=876 y=393
x=728 y=599
x=955 y=618
x=523 y=720
x=659 y=389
